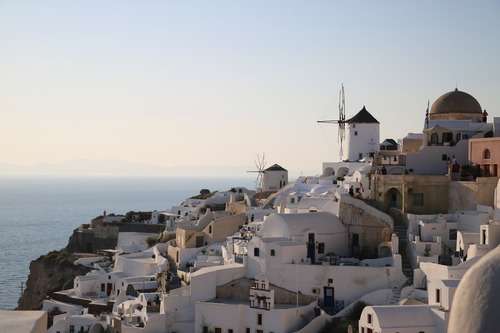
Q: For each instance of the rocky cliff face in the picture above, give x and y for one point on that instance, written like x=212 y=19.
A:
x=88 y=240
x=55 y=271
x=49 y=273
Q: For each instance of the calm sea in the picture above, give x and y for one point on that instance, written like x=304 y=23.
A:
x=37 y=215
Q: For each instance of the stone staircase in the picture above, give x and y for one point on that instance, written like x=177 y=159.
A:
x=400 y=230
x=393 y=298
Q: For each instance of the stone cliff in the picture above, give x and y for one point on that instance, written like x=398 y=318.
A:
x=55 y=271
x=51 y=272
x=87 y=240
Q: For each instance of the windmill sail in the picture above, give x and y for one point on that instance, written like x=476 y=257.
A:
x=340 y=121
x=260 y=164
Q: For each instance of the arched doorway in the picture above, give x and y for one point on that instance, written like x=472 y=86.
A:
x=341 y=172
x=328 y=172
x=393 y=198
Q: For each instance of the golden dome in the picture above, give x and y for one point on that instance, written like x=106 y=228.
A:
x=456 y=102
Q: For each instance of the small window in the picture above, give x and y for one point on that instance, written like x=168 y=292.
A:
x=444 y=157
x=109 y=277
x=103 y=287
x=292 y=200
x=256 y=252
x=273 y=253
x=210 y=229
x=353 y=125
x=360 y=156
x=217 y=330
x=259 y=319
x=438 y=295
x=486 y=154
x=321 y=248
x=229 y=330
x=330 y=280
x=355 y=239
x=355 y=133
x=453 y=234
x=247 y=330
x=369 y=318
x=418 y=199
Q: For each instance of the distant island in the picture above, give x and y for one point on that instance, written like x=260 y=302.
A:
x=84 y=167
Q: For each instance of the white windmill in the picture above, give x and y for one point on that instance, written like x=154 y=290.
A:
x=340 y=121
x=260 y=164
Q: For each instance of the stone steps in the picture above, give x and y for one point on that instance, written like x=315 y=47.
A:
x=400 y=231
x=394 y=298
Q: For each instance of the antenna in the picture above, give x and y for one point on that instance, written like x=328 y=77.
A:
x=260 y=164
x=340 y=121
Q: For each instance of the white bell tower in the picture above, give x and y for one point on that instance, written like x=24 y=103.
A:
x=363 y=136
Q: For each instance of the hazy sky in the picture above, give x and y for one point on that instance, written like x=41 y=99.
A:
x=209 y=83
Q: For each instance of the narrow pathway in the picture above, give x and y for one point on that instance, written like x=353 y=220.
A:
x=400 y=230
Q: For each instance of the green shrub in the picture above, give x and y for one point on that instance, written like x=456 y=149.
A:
x=152 y=241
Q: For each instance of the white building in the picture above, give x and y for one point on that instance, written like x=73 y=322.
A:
x=363 y=136
x=454 y=118
x=274 y=178
x=398 y=319
x=259 y=314
x=23 y=321
x=434 y=235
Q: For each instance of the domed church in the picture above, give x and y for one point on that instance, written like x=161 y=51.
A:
x=456 y=105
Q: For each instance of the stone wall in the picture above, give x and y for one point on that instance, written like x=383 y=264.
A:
x=469 y=194
x=91 y=240
x=372 y=226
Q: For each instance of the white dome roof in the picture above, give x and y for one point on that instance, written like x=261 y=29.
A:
x=288 y=225
x=476 y=305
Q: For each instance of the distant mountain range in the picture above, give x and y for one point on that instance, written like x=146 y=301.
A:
x=118 y=168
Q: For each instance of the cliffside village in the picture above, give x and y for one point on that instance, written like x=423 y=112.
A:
x=409 y=227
